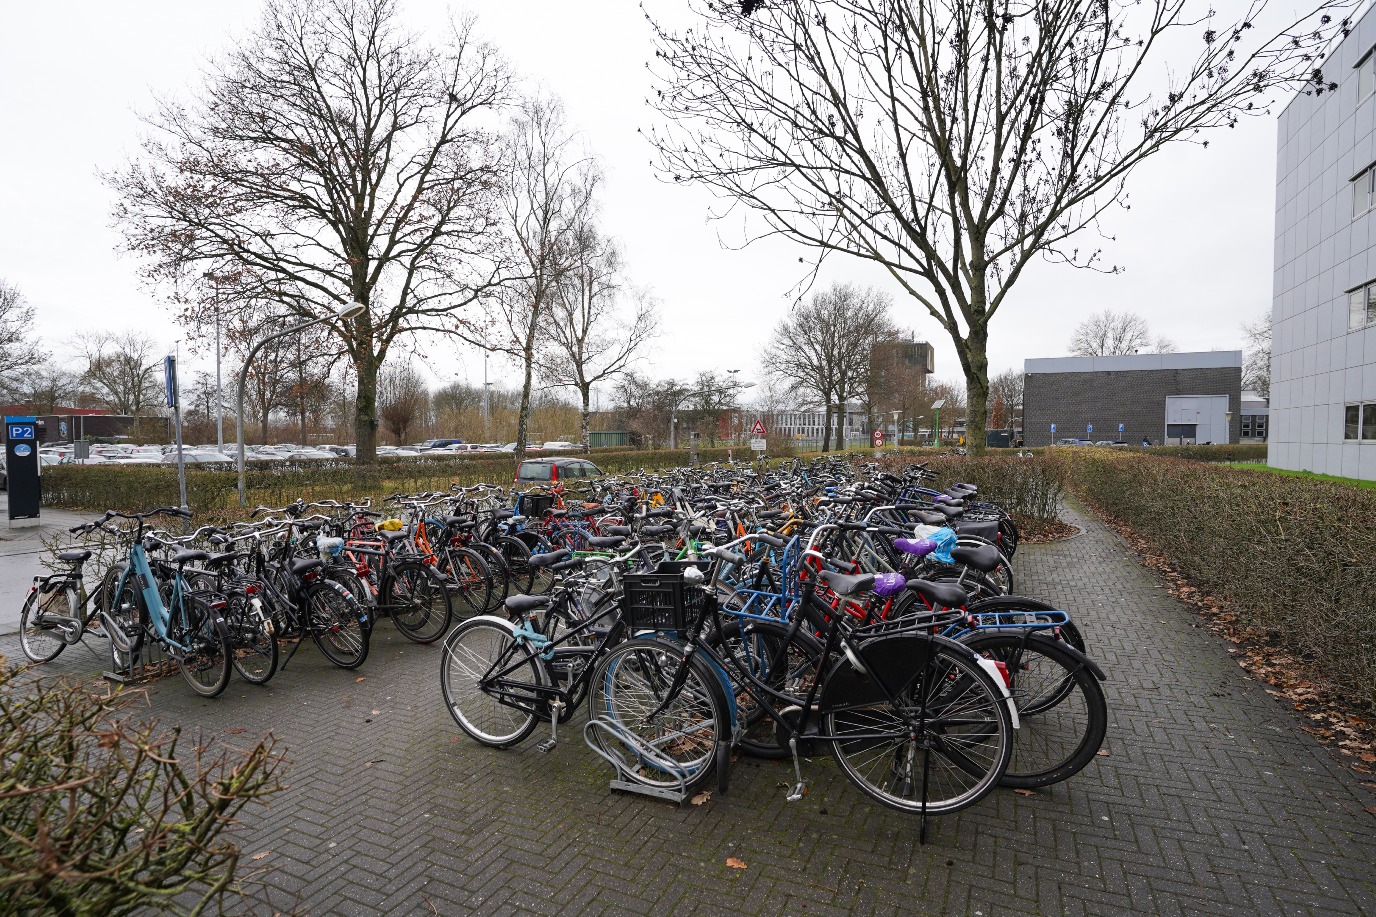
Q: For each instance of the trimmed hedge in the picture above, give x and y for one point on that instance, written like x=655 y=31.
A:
x=1238 y=452
x=1028 y=487
x=1293 y=557
x=135 y=487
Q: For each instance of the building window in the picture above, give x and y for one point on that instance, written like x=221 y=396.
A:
x=1351 y=421
x=1246 y=426
x=1366 y=75
x=1361 y=191
x=1369 y=421
x=1361 y=306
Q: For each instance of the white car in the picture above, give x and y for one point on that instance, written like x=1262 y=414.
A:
x=560 y=444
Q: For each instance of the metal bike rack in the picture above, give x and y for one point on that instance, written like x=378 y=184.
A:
x=625 y=770
x=150 y=662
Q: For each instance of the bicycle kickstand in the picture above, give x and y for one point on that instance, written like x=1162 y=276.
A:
x=800 y=788
x=556 y=709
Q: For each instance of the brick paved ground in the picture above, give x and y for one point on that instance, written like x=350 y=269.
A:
x=1210 y=801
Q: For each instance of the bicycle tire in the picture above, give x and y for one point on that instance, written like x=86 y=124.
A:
x=521 y=574
x=1061 y=706
x=254 y=650
x=501 y=576
x=419 y=600
x=126 y=611
x=40 y=642
x=756 y=646
x=470 y=581
x=206 y=666
x=961 y=717
x=336 y=623
x=355 y=585
x=630 y=683
x=470 y=652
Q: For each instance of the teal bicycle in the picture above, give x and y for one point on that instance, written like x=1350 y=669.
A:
x=160 y=606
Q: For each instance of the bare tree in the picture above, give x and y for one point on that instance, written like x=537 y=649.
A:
x=19 y=351
x=122 y=370
x=952 y=142
x=546 y=202
x=1256 y=366
x=330 y=157
x=1110 y=333
x=1005 y=399
x=590 y=339
x=822 y=348
x=403 y=400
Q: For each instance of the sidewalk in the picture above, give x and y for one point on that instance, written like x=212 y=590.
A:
x=21 y=552
x=1210 y=799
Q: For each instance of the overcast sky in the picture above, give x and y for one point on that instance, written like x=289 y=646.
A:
x=1197 y=243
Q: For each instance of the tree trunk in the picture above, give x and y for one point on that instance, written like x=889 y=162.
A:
x=587 y=413
x=976 y=364
x=365 y=406
x=826 y=427
x=528 y=355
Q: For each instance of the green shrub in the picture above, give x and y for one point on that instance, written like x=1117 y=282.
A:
x=1028 y=487
x=1292 y=556
x=1239 y=452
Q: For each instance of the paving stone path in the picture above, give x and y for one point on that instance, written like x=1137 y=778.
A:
x=1211 y=800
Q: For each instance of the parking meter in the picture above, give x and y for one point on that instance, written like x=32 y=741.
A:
x=21 y=467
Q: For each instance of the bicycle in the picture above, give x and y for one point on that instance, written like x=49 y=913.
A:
x=55 y=614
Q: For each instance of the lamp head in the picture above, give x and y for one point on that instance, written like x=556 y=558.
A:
x=352 y=310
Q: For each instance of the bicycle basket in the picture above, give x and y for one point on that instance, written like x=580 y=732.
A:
x=659 y=600
x=535 y=504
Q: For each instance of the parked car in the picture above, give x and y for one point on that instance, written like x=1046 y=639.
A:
x=560 y=444
x=439 y=443
x=198 y=457
x=553 y=470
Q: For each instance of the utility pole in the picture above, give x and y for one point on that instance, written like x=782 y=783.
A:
x=487 y=403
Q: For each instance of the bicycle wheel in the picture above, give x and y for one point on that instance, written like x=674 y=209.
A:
x=488 y=682
x=355 y=585
x=336 y=623
x=254 y=648
x=788 y=666
x=674 y=747
x=470 y=581
x=940 y=745
x=520 y=574
x=41 y=640
x=420 y=604
x=501 y=576
x=125 y=611
x=206 y=663
x=1061 y=706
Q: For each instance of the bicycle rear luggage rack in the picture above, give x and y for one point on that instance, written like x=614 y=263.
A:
x=625 y=770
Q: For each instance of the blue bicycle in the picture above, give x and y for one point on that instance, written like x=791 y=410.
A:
x=189 y=626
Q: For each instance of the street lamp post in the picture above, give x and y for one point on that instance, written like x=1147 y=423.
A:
x=352 y=310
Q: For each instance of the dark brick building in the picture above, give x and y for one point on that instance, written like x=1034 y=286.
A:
x=1166 y=397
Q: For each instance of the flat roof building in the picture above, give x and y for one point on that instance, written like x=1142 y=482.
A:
x=1165 y=397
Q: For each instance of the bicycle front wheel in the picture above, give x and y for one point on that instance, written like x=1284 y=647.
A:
x=254 y=649
x=490 y=682
x=939 y=742
x=420 y=603
x=336 y=624
x=470 y=581
x=1061 y=706
x=206 y=663
x=663 y=738
x=39 y=638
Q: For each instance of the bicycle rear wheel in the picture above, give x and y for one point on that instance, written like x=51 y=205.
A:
x=419 y=601
x=1061 y=706
x=336 y=623
x=206 y=663
x=788 y=666
x=254 y=649
x=40 y=639
x=489 y=682
x=470 y=580
x=670 y=741
x=941 y=744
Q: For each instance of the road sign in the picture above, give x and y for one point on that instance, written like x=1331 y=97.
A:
x=62 y=427
x=878 y=438
x=169 y=379
x=758 y=429
x=1122 y=427
x=1089 y=428
x=21 y=431
x=758 y=445
x=1053 y=428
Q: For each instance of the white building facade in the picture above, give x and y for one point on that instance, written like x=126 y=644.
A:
x=1323 y=351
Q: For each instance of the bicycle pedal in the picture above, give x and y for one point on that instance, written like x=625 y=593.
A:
x=547 y=745
x=798 y=792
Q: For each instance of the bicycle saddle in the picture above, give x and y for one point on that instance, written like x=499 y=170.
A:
x=949 y=510
x=887 y=584
x=393 y=536
x=503 y=514
x=919 y=547
x=843 y=584
x=607 y=542
x=186 y=557
x=300 y=565
x=988 y=529
x=617 y=529
x=215 y=560
x=653 y=530
x=74 y=557
x=940 y=595
x=983 y=557
x=549 y=557
x=524 y=604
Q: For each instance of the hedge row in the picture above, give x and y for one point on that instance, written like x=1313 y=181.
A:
x=1293 y=557
x=133 y=487
x=1028 y=487
x=1238 y=452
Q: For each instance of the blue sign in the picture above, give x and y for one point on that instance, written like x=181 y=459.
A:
x=1121 y=428
x=1089 y=428
x=1053 y=428
x=62 y=427
x=169 y=374
x=23 y=449
x=21 y=431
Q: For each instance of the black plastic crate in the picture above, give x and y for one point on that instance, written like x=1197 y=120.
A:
x=535 y=504
x=660 y=600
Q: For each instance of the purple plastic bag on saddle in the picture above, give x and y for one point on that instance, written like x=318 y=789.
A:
x=917 y=547
x=887 y=584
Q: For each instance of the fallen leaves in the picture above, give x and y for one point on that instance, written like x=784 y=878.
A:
x=237 y=730
x=736 y=863
x=1103 y=752
x=1021 y=791
x=260 y=855
x=360 y=679
x=701 y=798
